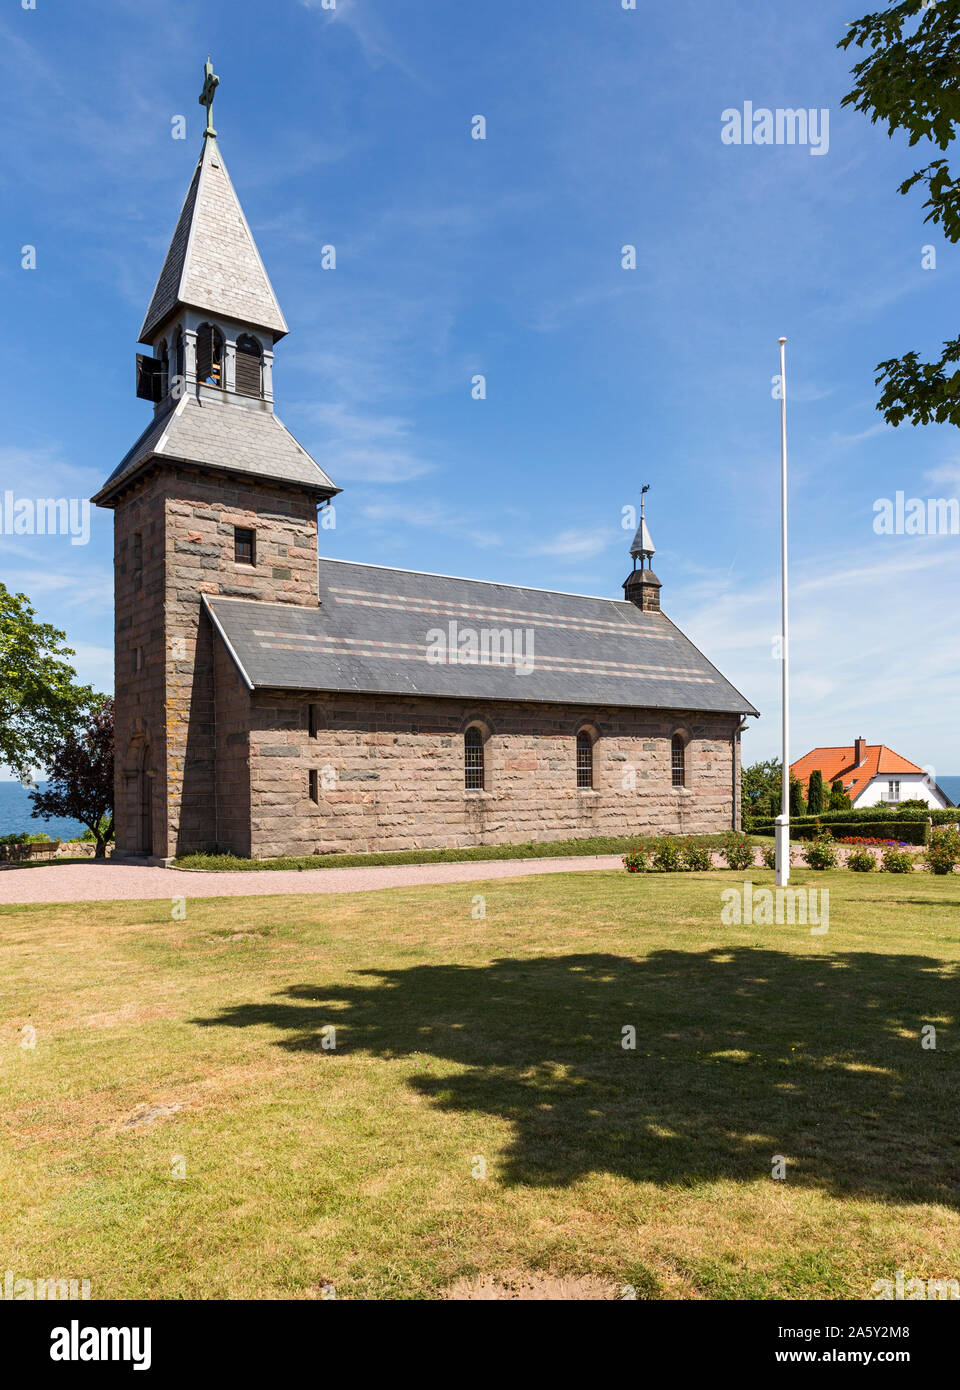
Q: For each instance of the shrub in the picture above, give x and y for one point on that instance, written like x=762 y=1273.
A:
x=839 y=801
x=696 y=857
x=797 y=804
x=896 y=861
x=770 y=857
x=821 y=852
x=815 y=793
x=943 y=852
x=637 y=861
x=667 y=856
x=861 y=861
x=738 y=853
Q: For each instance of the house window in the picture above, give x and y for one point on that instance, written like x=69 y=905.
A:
x=584 y=761
x=473 y=759
x=677 y=761
x=244 y=546
x=893 y=791
x=248 y=371
x=209 y=355
x=314 y=779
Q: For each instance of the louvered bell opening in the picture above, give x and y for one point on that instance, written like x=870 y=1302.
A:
x=248 y=368
x=209 y=356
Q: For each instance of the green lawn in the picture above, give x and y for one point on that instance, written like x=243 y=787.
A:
x=462 y=1038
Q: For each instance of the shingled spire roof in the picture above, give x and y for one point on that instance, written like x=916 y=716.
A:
x=213 y=264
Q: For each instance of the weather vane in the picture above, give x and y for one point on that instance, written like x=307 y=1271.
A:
x=210 y=84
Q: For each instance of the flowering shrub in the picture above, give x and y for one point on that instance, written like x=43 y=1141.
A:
x=821 y=852
x=896 y=861
x=943 y=852
x=770 y=857
x=638 y=860
x=871 y=840
x=861 y=861
x=738 y=853
x=696 y=857
x=668 y=856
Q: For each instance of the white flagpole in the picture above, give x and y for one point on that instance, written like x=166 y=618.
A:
x=783 y=820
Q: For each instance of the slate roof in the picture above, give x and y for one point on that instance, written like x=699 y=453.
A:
x=213 y=264
x=374 y=627
x=223 y=435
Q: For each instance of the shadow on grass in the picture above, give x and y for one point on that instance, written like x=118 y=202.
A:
x=740 y=1055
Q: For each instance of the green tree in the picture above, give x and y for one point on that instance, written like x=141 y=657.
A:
x=758 y=783
x=815 y=793
x=910 y=79
x=839 y=801
x=798 y=806
x=39 y=698
x=80 y=775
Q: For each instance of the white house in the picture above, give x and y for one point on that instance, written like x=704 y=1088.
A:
x=871 y=774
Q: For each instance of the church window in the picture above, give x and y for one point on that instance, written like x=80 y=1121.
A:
x=164 y=369
x=209 y=355
x=678 y=763
x=312 y=720
x=178 y=357
x=244 y=546
x=249 y=375
x=473 y=759
x=584 y=761
x=314 y=780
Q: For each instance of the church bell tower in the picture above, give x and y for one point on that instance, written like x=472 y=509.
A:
x=215 y=497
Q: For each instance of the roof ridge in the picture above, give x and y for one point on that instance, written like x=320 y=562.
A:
x=466 y=579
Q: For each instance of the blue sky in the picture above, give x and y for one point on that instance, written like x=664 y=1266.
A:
x=456 y=256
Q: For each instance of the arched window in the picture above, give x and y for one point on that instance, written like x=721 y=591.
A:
x=164 y=369
x=249 y=363
x=209 y=355
x=677 y=761
x=473 y=759
x=584 y=761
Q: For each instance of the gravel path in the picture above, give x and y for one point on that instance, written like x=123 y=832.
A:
x=109 y=882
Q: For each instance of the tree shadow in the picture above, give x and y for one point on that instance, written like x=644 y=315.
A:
x=740 y=1055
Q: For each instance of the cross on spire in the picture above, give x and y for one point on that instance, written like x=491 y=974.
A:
x=210 y=84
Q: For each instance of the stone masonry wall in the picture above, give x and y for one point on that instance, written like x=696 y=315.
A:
x=187 y=521
x=391 y=774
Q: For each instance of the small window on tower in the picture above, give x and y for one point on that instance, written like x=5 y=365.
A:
x=244 y=546
x=312 y=721
x=314 y=785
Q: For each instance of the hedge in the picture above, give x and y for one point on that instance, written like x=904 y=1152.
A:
x=950 y=815
x=913 y=832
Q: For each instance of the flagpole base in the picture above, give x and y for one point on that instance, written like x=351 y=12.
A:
x=782 y=842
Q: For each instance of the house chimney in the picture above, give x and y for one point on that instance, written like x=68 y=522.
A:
x=642 y=586
x=859 y=751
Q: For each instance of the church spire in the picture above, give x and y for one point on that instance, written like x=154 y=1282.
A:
x=642 y=586
x=213 y=265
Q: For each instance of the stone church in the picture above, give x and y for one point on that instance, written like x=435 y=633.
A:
x=272 y=702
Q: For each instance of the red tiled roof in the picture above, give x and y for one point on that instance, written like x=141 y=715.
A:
x=879 y=761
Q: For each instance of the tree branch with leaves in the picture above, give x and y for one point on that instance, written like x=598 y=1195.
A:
x=910 y=79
